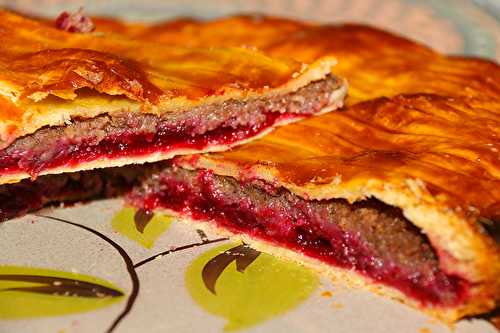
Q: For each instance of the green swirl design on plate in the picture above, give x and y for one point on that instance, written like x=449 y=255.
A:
x=247 y=287
x=140 y=226
x=27 y=292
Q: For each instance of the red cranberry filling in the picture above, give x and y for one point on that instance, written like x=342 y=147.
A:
x=74 y=22
x=369 y=237
x=130 y=144
x=129 y=134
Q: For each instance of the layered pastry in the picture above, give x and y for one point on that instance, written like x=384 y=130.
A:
x=399 y=194
x=394 y=193
x=74 y=101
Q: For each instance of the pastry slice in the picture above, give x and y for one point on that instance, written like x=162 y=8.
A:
x=78 y=101
x=401 y=195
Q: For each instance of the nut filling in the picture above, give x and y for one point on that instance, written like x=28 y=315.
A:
x=129 y=134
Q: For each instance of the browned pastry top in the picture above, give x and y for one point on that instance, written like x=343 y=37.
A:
x=375 y=62
x=43 y=71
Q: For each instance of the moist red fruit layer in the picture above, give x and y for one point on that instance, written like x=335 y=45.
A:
x=369 y=237
x=130 y=134
x=130 y=145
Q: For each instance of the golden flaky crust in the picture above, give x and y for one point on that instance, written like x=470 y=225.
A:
x=43 y=71
x=376 y=63
x=431 y=147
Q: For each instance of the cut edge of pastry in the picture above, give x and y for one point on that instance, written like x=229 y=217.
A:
x=336 y=100
x=349 y=278
x=122 y=161
x=34 y=117
x=150 y=158
x=462 y=246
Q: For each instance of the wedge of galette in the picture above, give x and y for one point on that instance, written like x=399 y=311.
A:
x=78 y=101
x=401 y=195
